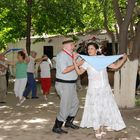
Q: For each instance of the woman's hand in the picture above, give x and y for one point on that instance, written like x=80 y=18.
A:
x=78 y=69
x=125 y=56
x=24 y=50
x=75 y=57
x=119 y=63
x=45 y=58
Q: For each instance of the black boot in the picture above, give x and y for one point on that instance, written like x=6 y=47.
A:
x=69 y=123
x=57 y=127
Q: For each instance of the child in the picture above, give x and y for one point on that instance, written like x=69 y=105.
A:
x=100 y=107
x=45 y=74
x=21 y=77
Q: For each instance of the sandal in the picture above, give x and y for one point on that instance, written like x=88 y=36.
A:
x=103 y=133
x=98 y=135
x=109 y=129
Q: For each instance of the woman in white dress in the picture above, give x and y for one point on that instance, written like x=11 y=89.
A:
x=100 y=108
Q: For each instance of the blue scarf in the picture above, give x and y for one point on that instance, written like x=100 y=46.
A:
x=100 y=62
x=12 y=50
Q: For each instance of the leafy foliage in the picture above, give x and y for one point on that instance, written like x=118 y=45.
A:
x=56 y=17
x=12 y=21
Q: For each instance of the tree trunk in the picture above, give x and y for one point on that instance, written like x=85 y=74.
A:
x=125 y=83
x=125 y=79
x=114 y=46
x=123 y=41
x=136 y=47
x=28 y=32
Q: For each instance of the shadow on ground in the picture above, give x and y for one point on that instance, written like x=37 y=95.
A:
x=35 y=118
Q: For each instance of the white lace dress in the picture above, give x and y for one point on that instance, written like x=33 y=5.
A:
x=100 y=106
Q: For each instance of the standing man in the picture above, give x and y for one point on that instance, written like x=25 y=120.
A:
x=31 y=83
x=66 y=77
x=3 y=82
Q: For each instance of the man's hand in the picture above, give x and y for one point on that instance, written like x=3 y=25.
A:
x=79 y=63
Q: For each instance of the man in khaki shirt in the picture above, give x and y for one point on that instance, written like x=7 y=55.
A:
x=65 y=85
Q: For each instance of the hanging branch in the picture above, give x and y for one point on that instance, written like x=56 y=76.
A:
x=117 y=12
x=129 y=12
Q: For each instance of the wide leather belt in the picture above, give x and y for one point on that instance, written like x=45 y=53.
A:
x=65 y=81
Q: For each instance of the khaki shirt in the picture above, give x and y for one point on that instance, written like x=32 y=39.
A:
x=31 y=65
x=3 y=68
x=63 y=60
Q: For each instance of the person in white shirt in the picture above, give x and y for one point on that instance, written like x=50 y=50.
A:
x=45 y=76
x=31 y=82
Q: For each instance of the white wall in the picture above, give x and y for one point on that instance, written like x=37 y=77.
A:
x=56 y=43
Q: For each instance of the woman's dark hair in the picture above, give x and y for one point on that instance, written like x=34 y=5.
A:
x=22 y=54
x=93 y=44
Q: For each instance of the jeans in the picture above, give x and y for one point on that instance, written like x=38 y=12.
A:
x=31 y=85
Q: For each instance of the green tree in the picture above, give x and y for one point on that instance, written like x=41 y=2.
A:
x=12 y=21
x=127 y=15
x=57 y=16
x=26 y=17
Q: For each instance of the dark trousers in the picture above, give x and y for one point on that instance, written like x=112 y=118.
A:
x=31 y=85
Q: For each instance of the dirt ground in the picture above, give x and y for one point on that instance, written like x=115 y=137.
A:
x=35 y=118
